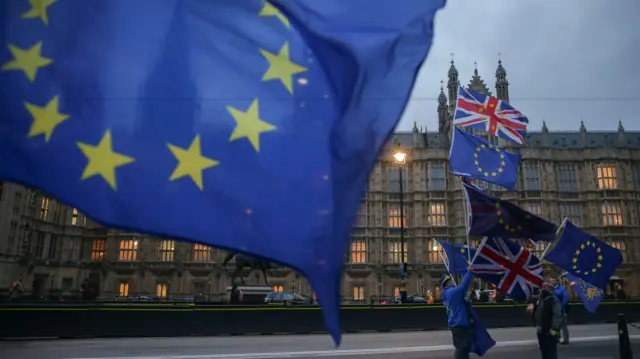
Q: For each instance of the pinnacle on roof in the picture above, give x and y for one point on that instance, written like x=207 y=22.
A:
x=477 y=84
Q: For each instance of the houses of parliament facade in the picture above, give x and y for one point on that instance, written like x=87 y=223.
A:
x=593 y=178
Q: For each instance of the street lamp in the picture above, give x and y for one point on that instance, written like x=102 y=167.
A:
x=400 y=158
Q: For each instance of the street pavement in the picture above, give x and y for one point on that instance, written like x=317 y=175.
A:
x=588 y=342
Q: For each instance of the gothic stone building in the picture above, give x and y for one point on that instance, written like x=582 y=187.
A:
x=591 y=177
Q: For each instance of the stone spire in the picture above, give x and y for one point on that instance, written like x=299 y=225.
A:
x=502 y=85
x=477 y=84
x=583 y=133
x=545 y=133
x=452 y=85
x=416 y=140
x=620 y=133
x=443 y=111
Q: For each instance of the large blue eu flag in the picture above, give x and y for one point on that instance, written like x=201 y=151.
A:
x=248 y=125
x=493 y=217
x=474 y=157
x=584 y=256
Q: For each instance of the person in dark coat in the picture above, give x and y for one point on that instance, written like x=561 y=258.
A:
x=458 y=318
x=563 y=297
x=547 y=318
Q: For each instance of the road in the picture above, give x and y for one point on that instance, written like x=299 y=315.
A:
x=588 y=342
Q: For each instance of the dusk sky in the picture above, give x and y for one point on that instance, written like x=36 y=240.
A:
x=566 y=60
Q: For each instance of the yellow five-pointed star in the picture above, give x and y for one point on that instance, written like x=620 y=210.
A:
x=249 y=125
x=103 y=161
x=38 y=10
x=191 y=162
x=281 y=68
x=28 y=60
x=270 y=10
x=45 y=119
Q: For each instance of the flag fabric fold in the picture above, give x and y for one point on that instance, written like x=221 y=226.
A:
x=491 y=216
x=482 y=340
x=584 y=256
x=474 y=157
x=458 y=257
x=589 y=295
x=247 y=125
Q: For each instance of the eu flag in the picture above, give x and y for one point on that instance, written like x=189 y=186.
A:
x=584 y=256
x=474 y=157
x=590 y=296
x=490 y=216
x=482 y=340
x=458 y=256
x=247 y=125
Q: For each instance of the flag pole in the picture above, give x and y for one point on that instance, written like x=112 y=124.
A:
x=446 y=265
x=465 y=208
x=564 y=222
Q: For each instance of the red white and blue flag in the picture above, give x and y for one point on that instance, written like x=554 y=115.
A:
x=497 y=117
x=511 y=267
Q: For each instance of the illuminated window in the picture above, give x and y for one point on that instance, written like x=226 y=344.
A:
x=395 y=252
x=84 y=220
x=74 y=217
x=278 y=288
x=44 y=208
x=358 y=293
x=161 y=290
x=394 y=217
x=611 y=214
x=359 y=251
x=393 y=179
x=201 y=253
x=123 y=289
x=606 y=176
x=437 y=215
x=167 y=250
x=98 y=249
x=396 y=291
x=433 y=252
x=128 y=250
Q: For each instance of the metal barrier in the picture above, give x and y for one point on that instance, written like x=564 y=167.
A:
x=181 y=319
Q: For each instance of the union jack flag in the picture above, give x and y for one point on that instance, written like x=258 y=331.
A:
x=512 y=268
x=490 y=114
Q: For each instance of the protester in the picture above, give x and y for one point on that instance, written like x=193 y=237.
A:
x=547 y=319
x=459 y=319
x=563 y=297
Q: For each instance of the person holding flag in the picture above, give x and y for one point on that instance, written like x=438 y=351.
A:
x=469 y=334
x=547 y=319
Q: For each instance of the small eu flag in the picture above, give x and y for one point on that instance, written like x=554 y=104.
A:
x=584 y=256
x=490 y=216
x=248 y=125
x=458 y=257
x=589 y=294
x=472 y=156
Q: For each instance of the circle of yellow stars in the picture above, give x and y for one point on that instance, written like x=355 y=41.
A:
x=576 y=255
x=102 y=160
x=484 y=171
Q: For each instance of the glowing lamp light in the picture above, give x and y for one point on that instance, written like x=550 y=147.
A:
x=400 y=157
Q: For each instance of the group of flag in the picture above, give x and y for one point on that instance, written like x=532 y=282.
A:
x=499 y=259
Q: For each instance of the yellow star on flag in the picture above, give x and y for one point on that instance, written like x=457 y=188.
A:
x=103 y=160
x=191 y=162
x=45 y=119
x=38 y=10
x=281 y=68
x=28 y=60
x=270 y=10
x=249 y=125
